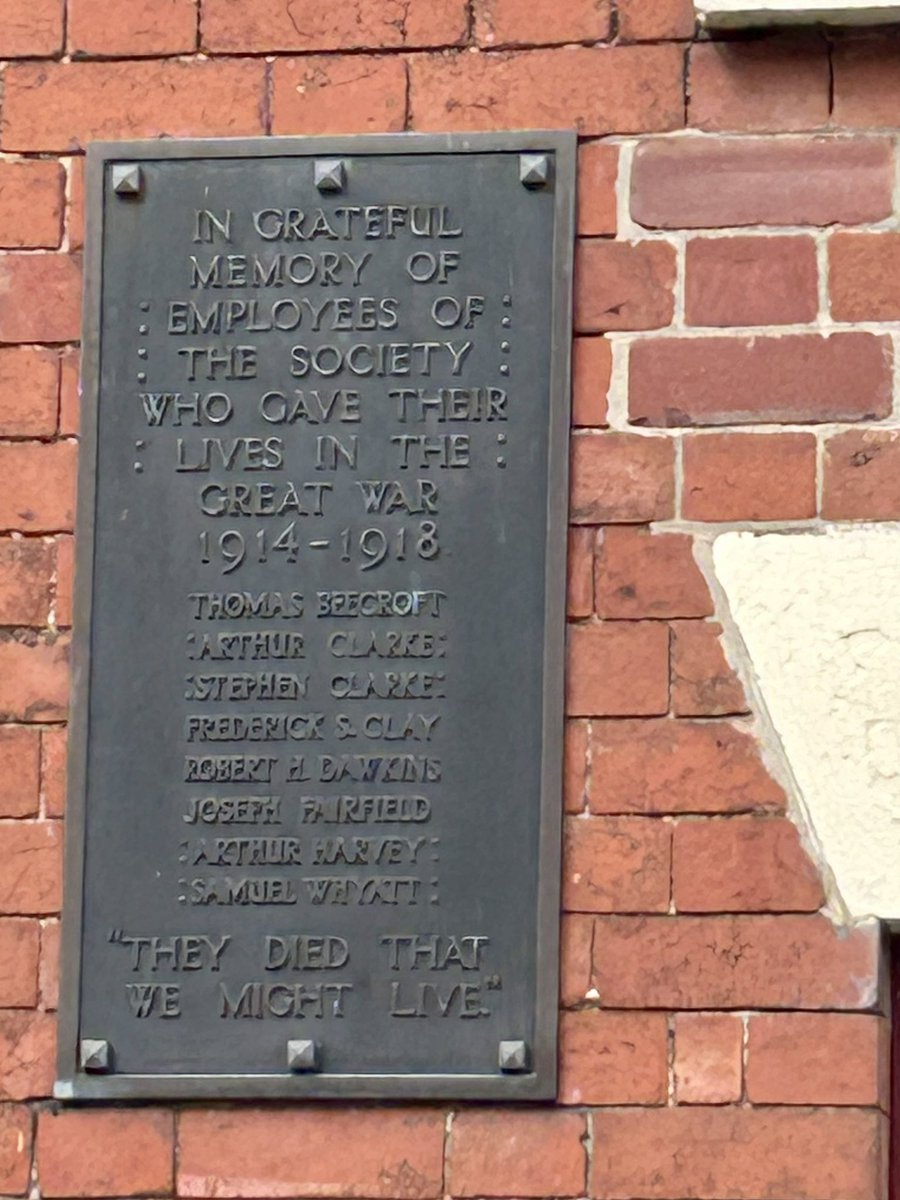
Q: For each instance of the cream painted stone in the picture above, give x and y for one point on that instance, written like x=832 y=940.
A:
x=725 y=14
x=819 y=615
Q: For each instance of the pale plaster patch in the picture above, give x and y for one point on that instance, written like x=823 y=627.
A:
x=819 y=615
x=738 y=13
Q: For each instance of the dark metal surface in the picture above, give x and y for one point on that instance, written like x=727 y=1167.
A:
x=313 y=835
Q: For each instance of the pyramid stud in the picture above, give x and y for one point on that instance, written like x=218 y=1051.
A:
x=127 y=179
x=303 y=1055
x=96 y=1056
x=514 y=1057
x=534 y=170
x=330 y=174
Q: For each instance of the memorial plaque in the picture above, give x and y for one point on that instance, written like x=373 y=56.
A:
x=316 y=734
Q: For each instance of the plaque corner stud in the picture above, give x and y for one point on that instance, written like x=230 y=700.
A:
x=534 y=170
x=95 y=1056
x=330 y=174
x=514 y=1057
x=303 y=1054
x=127 y=179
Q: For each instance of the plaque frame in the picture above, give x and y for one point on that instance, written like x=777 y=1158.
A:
x=539 y=1082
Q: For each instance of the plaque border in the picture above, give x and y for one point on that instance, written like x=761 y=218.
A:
x=540 y=1081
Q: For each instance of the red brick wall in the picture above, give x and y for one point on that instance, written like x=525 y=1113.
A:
x=721 y=1038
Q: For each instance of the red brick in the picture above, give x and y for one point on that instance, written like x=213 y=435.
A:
x=665 y=766
x=34 y=677
x=598 y=89
x=621 y=478
x=643 y=574
x=499 y=1152
x=591 y=374
x=69 y=396
x=817 y=1058
x=31 y=28
x=708 y=1057
x=397 y=1153
x=613 y=1058
x=19 y=942
x=616 y=864
x=703 y=682
x=371 y=92
x=30 y=867
x=749 y=477
x=28 y=1054
x=756 y=961
x=53 y=770
x=617 y=669
x=15 y=1149
x=576 y=762
x=37 y=486
x=640 y=21
x=598 y=169
x=580 y=602
x=48 y=965
x=866 y=86
x=134 y=28
x=29 y=382
x=25 y=568
x=740 y=381
x=699 y=183
x=270 y=26
x=862 y=476
x=862 y=275
x=620 y=285
x=778 y=85
x=743 y=864
x=31 y=199
x=63 y=106
x=541 y=22
x=737 y=1153
x=751 y=281
x=40 y=297
x=75 y=201
x=577 y=930
x=19 y=771
x=132 y=1152
x=64 y=579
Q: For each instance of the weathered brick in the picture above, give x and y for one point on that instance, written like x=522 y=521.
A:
x=19 y=949
x=751 y=281
x=28 y=1054
x=31 y=28
x=31 y=201
x=598 y=89
x=643 y=574
x=640 y=21
x=34 y=677
x=740 y=381
x=708 y=1058
x=862 y=476
x=700 y=183
x=541 y=22
x=29 y=383
x=623 y=285
x=53 y=770
x=775 y=84
x=577 y=934
x=64 y=579
x=749 y=477
x=598 y=169
x=743 y=864
x=580 y=574
x=756 y=961
x=665 y=766
x=397 y=1153
x=40 y=297
x=48 y=965
x=866 y=87
x=136 y=1158
x=703 y=682
x=616 y=864
x=817 y=1058
x=575 y=765
x=621 y=478
x=69 y=396
x=372 y=92
x=591 y=373
x=63 y=106
x=613 y=1058
x=140 y=27
x=37 y=486
x=26 y=565
x=19 y=771
x=75 y=203
x=737 y=1153
x=30 y=867
x=862 y=276
x=15 y=1149
x=500 y=1152
x=617 y=669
